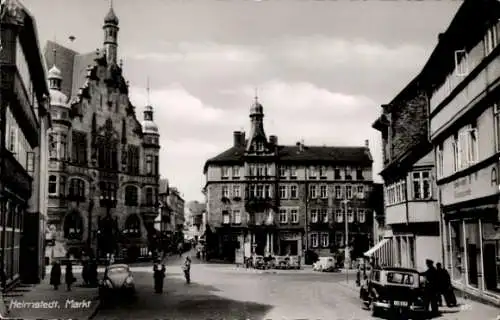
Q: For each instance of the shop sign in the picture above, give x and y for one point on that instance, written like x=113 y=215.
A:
x=481 y=183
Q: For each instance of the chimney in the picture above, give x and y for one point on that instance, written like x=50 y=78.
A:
x=242 y=139
x=273 y=140
x=367 y=143
x=237 y=138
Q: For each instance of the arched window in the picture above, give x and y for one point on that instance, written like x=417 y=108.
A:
x=131 y=196
x=132 y=226
x=77 y=189
x=73 y=226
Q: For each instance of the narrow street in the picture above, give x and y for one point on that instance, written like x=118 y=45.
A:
x=224 y=292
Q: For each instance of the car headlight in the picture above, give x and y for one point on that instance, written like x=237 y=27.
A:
x=129 y=280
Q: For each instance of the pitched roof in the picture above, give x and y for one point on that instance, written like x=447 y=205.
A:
x=309 y=154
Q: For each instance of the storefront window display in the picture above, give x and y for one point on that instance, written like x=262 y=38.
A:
x=491 y=256
x=473 y=252
x=456 y=236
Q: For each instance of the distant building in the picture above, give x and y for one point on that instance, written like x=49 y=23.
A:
x=287 y=199
x=177 y=205
x=194 y=218
x=104 y=163
x=23 y=160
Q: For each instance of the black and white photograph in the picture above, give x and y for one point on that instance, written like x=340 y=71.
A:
x=250 y=159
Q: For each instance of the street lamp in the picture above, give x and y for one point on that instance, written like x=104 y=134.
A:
x=346 y=236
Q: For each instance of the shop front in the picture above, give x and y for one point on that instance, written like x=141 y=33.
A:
x=471 y=232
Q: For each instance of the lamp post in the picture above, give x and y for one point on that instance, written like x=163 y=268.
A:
x=89 y=222
x=346 y=240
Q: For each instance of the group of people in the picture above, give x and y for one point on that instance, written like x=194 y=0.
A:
x=438 y=285
x=56 y=272
x=159 y=273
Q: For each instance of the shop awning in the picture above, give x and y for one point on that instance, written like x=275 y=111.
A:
x=376 y=247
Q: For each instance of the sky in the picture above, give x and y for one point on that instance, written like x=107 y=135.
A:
x=322 y=68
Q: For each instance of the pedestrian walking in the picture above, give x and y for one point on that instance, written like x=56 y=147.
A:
x=445 y=287
x=179 y=249
x=431 y=288
x=158 y=275
x=186 y=267
x=69 y=276
x=55 y=275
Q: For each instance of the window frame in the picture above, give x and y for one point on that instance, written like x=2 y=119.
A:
x=361 y=218
x=292 y=187
x=324 y=240
x=338 y=192
x=294 y=215
x=339 y=215
x=283 y=191
x=236 y=191
x=350 y=215
x=313 y=193
x=421 y=182
x=225 y=191
x=348 y=191
x=54 y=183
x=314 y=240
x=236 y=216
x=314 y=215
x=323 y=195
x=282 y=213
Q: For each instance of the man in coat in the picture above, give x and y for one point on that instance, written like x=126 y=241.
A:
x=431 y=287
x=158 y=275
x=445 y=288
x=55 y=275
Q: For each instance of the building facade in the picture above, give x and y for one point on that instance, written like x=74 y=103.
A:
x=194 y=219
x=411 y=206
x=286 y=200
x=177 y=204
x=24 y=123
x=464 y=70
x=104 y=164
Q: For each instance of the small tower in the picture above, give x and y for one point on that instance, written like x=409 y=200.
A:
x=111 y=36
x=257 y=139
x=58 y=100
x=150 y=130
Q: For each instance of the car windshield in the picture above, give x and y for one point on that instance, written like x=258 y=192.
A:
x=400 y=278
x=116 y=270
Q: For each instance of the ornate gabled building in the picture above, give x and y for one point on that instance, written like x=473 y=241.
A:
x=264 y=198
x=104 y=164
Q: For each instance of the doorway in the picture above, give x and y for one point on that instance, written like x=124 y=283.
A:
x=491 y=267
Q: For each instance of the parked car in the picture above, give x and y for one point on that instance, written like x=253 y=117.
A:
x=117 y=280
x=396 y=291
x=325 y=264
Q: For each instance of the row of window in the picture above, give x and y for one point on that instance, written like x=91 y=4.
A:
x=322 y=239
x=291 y=191
x=313 y=172
x=107 y=153
x=421 y=188
x=291 y=215
x=73 y=226
x=77 y=189
x=18 y=145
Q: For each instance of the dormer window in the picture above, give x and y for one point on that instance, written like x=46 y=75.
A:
x=260 y=146
x=312 y=173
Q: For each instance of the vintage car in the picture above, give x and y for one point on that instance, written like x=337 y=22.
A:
x=325 y=264
x=396 y=291
x=117 y=279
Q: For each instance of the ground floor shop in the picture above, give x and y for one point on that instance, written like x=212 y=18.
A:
x=11 y=221
x=473 y=254
x=231 y=242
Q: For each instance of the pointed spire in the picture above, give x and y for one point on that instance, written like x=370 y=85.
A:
x=147 y=91
x=54 y=51
x=256 y=96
